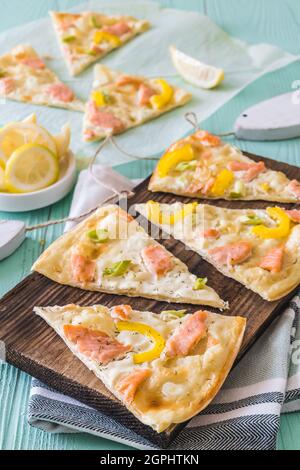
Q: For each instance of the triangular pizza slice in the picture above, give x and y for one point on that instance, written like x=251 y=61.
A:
x=120 y=101
x=259 y=248
x=202 y=166
x=110 y=252
x=164 y=367
x=25 y=77
x=86 y=37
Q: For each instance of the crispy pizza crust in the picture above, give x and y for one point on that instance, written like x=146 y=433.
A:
x=270 y=286
x=175 y=286
x=197 y=377
x=31 y=85
x=81 y=61
x=124 y=102
x=221 y=156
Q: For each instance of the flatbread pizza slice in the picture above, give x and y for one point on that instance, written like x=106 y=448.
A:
x=165 y=368
x=110 y=252
x=119 y=101
x=202 y=166
x=86 y=37
x=25 y=77
x=258 y=248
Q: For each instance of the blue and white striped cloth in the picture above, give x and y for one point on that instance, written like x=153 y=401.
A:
x=244 y=415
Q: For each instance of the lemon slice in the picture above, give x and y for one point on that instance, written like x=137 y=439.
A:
x=195 y=72
x=30 y=168
x=16 y=134
x=2 y=179
x=62 y=140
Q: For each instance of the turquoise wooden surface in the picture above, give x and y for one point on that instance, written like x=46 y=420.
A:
x=272 y=21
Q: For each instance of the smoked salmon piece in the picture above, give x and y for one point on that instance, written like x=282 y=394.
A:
x=144 y=94
x=122 y=312
x=206 y=155
x=207 y=139
x=208 y=185
x=211 y=233
x=236 y=165
x=94 y=344
x=33 y=62
x=197 y=186
x=61 y=92
x=294 y=214
x=294 y=187
x=104 y=119
x=118 y=29
x=83 y=269
x=233 y=253
x=7 y=85
x=130 y=383
x=194 y=187
x=272 y=261
x=157 y=260
x=254 y=171
x=188 y=335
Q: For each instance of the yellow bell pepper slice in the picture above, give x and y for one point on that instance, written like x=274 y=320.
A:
x=223 y=180
x=151 y=333
x=265 y=187
x=161 y=100
x=283 y=228
x=171 y=159
x=155 y=215
x=102 y=36
x=98 y=98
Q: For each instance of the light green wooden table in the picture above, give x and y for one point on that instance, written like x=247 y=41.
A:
x=273 y=21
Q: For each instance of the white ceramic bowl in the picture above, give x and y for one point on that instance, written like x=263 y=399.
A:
x=29 y=201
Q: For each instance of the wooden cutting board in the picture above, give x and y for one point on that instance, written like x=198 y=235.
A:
x=35 y=348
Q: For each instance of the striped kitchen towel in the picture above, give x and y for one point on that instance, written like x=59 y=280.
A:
x=244 y=415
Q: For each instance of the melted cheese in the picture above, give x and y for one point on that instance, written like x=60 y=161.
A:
x=123 y=101
x=176 y=386
x=229 y=223
x=79 y=51
x=175 y=285
x=211 y=166
x=126 y=242
x=31 y=85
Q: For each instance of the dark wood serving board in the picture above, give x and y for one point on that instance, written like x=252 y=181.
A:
x=35 y=348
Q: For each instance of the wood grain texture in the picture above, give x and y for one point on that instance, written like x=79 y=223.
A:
x=35 y=348
x=271 y=21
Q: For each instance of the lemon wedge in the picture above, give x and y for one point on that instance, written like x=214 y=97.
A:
x=31 y=167
x=31 y=118
x=16 y=134
x=62 y=140
x=194 y=71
